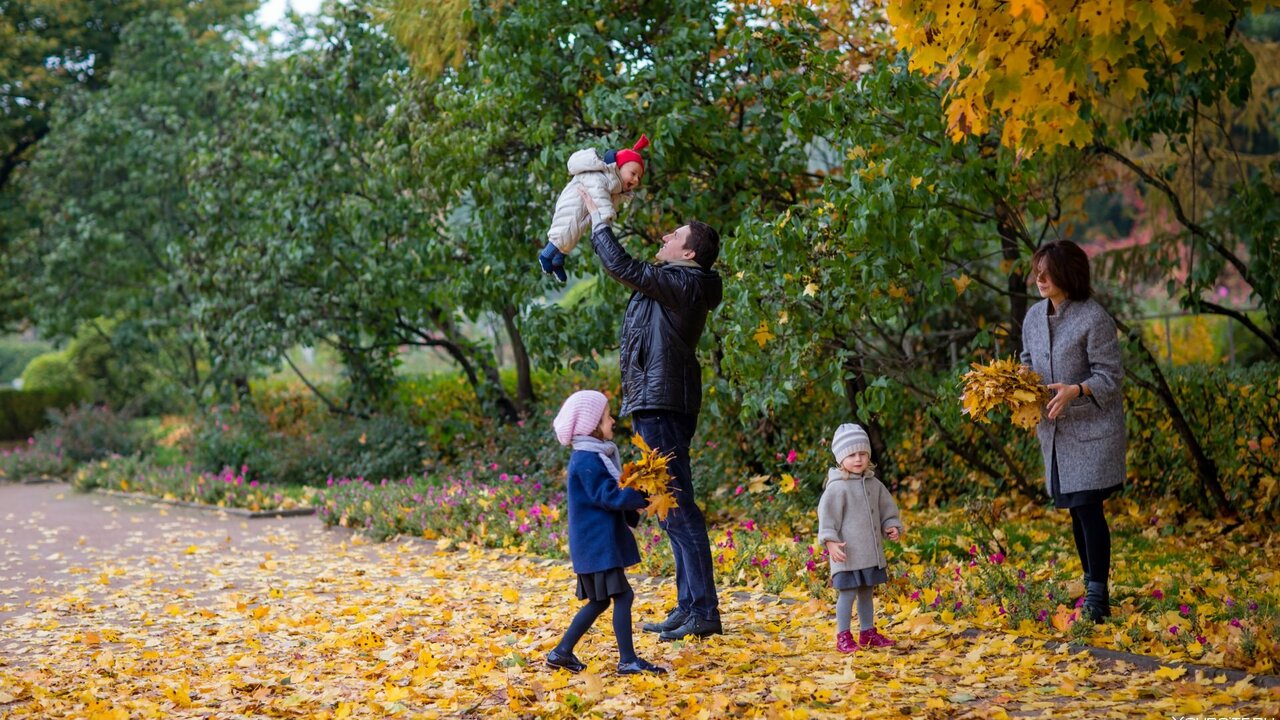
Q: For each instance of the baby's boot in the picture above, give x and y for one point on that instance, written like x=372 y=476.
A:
x=873 y=638
x=551 y=260
x=845 y=642
x=557 y=267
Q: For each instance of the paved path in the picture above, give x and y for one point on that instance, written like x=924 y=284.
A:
x=53 y=535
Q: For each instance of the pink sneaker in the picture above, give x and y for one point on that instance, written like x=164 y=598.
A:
x=845 y=643
x=872 y=638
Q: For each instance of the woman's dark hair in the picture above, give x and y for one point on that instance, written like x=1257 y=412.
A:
x=1068 y=268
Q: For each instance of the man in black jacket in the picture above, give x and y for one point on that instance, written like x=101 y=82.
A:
x=662 y=391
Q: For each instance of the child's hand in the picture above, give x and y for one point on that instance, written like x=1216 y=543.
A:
x=587 y=202
x=836 y=551
x=892 y=533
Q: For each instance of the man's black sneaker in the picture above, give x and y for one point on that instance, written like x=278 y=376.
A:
x=675 y=619
x=695 y=627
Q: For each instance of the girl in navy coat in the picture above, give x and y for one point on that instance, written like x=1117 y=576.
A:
x=600 y=542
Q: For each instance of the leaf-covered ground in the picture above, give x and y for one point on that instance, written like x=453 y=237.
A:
x=121 y=610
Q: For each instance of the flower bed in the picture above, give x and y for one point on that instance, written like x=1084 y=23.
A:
x=227 y=489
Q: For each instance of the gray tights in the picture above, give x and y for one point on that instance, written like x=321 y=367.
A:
x=866 y=609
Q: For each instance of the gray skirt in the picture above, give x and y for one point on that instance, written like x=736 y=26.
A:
x=854 y=579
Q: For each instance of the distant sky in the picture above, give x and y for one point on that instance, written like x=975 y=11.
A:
x=273 y=10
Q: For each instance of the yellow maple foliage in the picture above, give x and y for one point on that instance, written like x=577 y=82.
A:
x=650 y=476
x=1035 y=68
x=1004 y=383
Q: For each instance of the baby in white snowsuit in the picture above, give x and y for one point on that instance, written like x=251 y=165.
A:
x=608 y=180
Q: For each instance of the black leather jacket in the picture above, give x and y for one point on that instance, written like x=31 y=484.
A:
x=660 y=330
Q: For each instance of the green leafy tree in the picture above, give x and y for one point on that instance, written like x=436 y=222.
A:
x=51 y=50
x=109 y=195
x=324 y=235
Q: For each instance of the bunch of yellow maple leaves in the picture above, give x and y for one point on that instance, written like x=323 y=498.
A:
x=1006 y=383
x=649 y=475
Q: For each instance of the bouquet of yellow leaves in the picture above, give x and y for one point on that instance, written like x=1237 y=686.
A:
x=649 y=475
x=1008 y=383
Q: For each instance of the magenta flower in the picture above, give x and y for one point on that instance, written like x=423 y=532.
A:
x=1157 y=594
x=915 y=595
x=791 y=457
x=810 y=566
x=997 y=558
x=1184 y=609
x=1235 y=622
x=737 y=491
x=1173 y=629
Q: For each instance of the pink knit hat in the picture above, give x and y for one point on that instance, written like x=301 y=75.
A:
x=580 y=415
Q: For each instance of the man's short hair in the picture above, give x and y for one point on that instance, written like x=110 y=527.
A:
x=704 y=241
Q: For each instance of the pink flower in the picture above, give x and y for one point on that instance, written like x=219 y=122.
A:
x=503 y=477
x=1173 y=629
x=997 y=558
x=1235 y=622
x=493 y=466
x=810 y=566
x=791 y=457
x=737 y=491
x=1184 y=609
x=1157 y=594
x=915 y=595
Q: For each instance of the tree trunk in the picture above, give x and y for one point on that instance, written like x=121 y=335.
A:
x=853 y=387
x=1206 y=468
x=525 y=397
x=1010 y=250
x=487 y=382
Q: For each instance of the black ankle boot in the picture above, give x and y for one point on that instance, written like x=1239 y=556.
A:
x=1097 y=601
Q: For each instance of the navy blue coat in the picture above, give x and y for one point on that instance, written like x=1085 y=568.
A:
x=599 y=538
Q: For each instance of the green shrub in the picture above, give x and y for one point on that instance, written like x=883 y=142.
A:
x=22 y=412
x=1236 y=414
x=16 y=353
x=382 y=447
x=53 y=371
x=92 y=432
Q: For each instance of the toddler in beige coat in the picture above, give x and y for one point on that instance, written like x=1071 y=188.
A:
x=608 y=180
x=855 y=510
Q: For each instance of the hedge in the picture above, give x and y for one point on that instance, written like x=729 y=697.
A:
x=22 y=412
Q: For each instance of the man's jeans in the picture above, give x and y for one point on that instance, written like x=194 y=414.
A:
x=672 y=432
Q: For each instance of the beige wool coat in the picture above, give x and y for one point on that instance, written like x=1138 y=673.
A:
x=602 y=183
x=856 y=510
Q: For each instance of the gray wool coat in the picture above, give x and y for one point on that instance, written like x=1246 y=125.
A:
x=1078 y=344
x=856 y=510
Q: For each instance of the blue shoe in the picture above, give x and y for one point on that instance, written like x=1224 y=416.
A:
x=565 y=661
x=639 y=667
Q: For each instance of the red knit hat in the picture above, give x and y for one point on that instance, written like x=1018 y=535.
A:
x=625 y=155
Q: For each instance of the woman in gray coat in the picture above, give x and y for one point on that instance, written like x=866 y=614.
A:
x=1071 y=342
